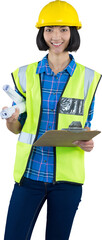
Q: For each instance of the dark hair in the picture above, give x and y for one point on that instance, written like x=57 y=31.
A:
x=73 y=45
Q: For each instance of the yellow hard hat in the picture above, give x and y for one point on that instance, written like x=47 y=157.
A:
x=58 y=13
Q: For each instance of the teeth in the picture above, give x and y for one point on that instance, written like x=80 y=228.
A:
x=56 y=44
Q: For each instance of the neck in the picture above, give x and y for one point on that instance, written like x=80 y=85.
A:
x=58 y=62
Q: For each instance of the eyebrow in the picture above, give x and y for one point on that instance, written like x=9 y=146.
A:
x=56 y=26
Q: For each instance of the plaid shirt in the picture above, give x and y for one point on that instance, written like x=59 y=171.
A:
x=40 y=166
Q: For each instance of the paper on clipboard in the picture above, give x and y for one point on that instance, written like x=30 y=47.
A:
x=64 y=138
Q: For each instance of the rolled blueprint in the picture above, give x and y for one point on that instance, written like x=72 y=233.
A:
x=19 y=100
x=13 y=94
x=7 y=112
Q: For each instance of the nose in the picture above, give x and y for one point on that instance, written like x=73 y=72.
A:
x=56 y=35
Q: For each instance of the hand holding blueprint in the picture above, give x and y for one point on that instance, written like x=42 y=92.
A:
x=19 y=100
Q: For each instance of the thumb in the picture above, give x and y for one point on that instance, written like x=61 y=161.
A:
x=76 y=142
x=4 y=108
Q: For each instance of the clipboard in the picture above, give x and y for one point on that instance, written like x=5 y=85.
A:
x=64 y=138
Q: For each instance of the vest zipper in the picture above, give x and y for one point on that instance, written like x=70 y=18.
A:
x=54 y=173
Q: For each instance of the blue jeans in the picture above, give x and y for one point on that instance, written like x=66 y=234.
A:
x=26 y=202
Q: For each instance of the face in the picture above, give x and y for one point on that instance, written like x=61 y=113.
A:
x=57 y=38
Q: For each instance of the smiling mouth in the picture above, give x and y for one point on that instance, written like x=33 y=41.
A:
x=56 y=44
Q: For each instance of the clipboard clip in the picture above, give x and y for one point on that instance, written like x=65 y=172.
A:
x=75 y=126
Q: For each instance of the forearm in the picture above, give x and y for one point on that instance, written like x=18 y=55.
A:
x=14 y=127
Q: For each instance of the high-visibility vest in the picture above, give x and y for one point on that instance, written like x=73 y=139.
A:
x=73 y=105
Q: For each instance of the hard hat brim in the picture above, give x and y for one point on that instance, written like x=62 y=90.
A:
x=58 y=24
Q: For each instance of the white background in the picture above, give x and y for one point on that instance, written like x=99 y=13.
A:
x=18 y=48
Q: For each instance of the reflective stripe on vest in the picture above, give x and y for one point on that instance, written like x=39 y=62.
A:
x=26 y=138
x=89 y=75
x=22 y=77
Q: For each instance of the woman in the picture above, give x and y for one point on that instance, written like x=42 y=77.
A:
x=58 y=91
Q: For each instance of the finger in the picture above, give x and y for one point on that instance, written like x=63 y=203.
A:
x=16 y=114
x=4 y=108
x=87 y=144
x=14 y=117
x=17 y=110
x=75 y=143
x=87 y=148
x=82 y=142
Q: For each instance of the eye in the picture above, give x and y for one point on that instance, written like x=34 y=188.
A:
x=64 y=30
x=48 y=30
